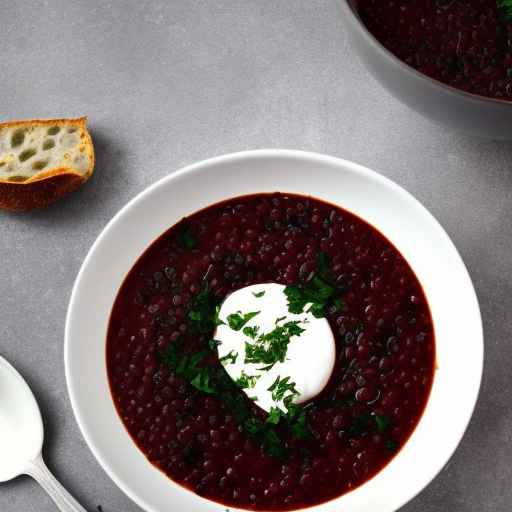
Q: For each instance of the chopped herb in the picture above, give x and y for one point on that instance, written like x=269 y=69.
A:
x=282 y=386
x=204 y=312
x=273 y=445
x=383 y=422
x=280 y=319
x=274 y=416
x=266 y=368
x=234 y=399
x=322 y=263
x=252 y=425
x=251 y=331
x=296 y=419
x=187 y=366
x=317 y=291
x=198 y=371
x=258 y=295
x=213 y=344
x=247 y=381
x=288 y=400
x=265 y=432
x=202 y=382
x=317 y=310
x=195 y=316
x=391 y=445
x=337 y=303
x=229 y=358
x=271 y=347
x=360 y=425
x=237 y=320
x=219 y=383
x=505 y=7
x=187 y=238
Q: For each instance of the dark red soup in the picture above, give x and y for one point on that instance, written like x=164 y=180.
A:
x=197 y=426
x=464 y=43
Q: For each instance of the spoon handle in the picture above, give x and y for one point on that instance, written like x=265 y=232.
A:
x=65 y=502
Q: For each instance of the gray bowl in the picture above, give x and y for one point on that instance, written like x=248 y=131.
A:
x=456 y=109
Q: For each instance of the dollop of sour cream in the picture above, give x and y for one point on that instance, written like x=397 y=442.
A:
x=310 y=356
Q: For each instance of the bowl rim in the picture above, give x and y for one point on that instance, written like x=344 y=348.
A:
x=358 y=25
x=243 y=156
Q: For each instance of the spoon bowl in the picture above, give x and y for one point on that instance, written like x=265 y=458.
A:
x=21 y=424
x=21 y=438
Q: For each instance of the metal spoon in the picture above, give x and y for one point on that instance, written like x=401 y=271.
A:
x=21 y=438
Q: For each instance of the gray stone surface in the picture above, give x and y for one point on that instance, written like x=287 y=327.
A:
x=166 y=83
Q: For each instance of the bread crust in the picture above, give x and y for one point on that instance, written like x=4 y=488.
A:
x=48 y=186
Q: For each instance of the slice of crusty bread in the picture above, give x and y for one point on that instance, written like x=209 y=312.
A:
x=42 y=160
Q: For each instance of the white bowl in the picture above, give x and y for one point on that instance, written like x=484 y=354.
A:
x=459 y=110
x=395 y=213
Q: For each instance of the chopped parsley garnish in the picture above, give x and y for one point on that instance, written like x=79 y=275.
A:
x=237 y=320
x=361 y=425
x=274 y=416
x=338 y=303
x=318 y=292
x=258 y=295
x=194 y=368
x=213 y=344
x=188 y=367
x=203 y=312
x=247 y=381
x=267 y=435
x=295 y=417
x=188 y=239
x=271 y=348
x=202 y=382
x=505 y=7
x=251 y=331
x=391 y=445
x=261 y=348
x=296 y=420
x=383 y=422
x=322 y=263
x=229 y=358
x=282 y=386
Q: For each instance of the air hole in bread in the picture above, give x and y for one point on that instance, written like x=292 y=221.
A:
x=72 y=130
x=48 y=144
x=39 y=165
x=28 y=153
x=53 y=130
x=17 y=138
